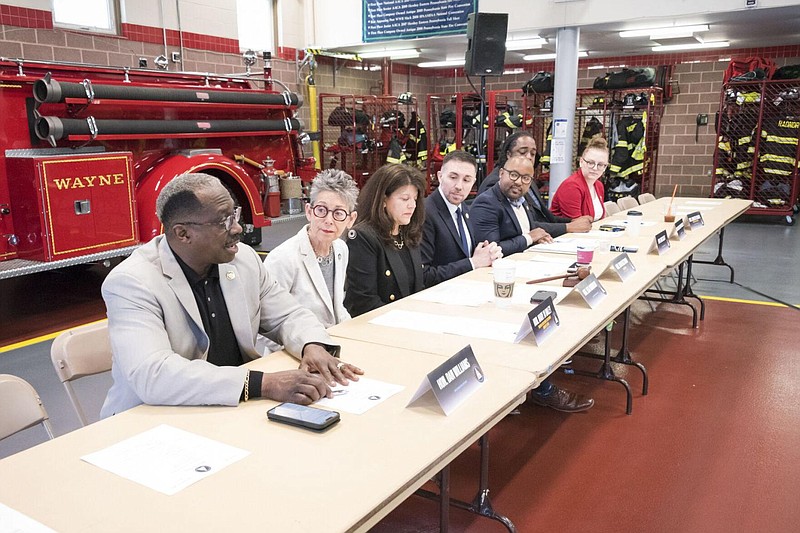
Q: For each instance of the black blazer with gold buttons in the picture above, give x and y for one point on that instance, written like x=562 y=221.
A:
x=376 y=273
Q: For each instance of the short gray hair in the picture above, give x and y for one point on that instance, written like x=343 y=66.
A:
x=178 y=198
x=335 y=181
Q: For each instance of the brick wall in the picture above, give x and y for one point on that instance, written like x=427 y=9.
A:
x=682 y=160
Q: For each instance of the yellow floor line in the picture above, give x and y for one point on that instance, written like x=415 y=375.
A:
x=740 y=301
x=41 y=338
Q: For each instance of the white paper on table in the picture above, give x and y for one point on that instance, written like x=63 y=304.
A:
x=465 y=292
x=643 y=223
x=600 y=233
x=12 y=521
x=685 y=210
x=702 y=202
x=397 y=318
x=433 y=323
x=532 y=270
x=559 y=246
x=165 y=458
x=482 y=329
x=360 y=396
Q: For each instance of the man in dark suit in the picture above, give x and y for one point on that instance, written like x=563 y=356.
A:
x=443 y=256
x=503 y=213
x=448 y=243
x=522 y=144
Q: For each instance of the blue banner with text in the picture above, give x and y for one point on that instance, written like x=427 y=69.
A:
x=385 y=20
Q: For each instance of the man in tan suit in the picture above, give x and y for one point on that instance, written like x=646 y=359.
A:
x=184 y=311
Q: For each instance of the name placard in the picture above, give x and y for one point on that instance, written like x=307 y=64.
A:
x=591 y=290
x=623 y=266
x=542 y=320
x=679 y=230
x=453 y=381
x=695 y=220
x=660 y=243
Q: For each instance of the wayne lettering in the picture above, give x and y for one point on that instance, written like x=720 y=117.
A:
x=89 y=181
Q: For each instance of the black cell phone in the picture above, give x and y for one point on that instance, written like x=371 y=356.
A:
x=540 y=296
x=303 y=416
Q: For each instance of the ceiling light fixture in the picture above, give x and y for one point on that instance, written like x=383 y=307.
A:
x=437 y=64
x=698 y=46
x=391 y=54
x=545 y=57
x=526 y=44
x=666 y=33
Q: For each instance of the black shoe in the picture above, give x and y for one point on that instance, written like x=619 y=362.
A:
x=563 y=400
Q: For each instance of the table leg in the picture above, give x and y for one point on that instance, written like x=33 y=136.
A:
x=444 y=499
x=624 y=355
x=719 y=261
x=481 y=505
x=606 y=372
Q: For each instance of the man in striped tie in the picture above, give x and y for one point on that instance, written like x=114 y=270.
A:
x=448 y=243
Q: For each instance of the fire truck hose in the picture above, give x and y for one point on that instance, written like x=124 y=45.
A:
x=58 y=128
x=52 y=91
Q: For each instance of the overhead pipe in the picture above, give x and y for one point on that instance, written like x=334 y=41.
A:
x=48 y=90
x=56 y=128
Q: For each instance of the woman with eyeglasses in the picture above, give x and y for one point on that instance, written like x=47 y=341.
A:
x=312 y=264
x=582 y=193
x=385 y=261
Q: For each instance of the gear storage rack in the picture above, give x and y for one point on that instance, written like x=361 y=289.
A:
x=606 y=108
x=757 y=153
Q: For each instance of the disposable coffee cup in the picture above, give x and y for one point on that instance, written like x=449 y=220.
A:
x=585 y=254
x=504 y=272
x=634 y=223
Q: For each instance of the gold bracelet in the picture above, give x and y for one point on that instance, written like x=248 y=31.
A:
x=247 y=386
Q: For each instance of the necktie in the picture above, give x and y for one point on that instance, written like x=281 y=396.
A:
x=464 y=245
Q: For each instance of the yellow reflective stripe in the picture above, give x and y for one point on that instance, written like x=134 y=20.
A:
x=777 y=171
x=612 y=168
x=622 y=144
x=390 y=159
x=422 y=156
x=778 y=139
x=778 y=158
x=630 y=170
x=744 y=140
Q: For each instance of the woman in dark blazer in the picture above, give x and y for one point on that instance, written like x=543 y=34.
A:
x=385 y=263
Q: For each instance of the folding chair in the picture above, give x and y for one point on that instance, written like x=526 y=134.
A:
x=611 y=208
x=627 y=202
x=80 y=352
x=20 y=407
x=646 y=197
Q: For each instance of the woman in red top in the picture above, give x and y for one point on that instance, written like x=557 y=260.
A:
x=582 y=193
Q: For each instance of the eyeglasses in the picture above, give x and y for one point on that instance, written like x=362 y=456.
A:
x=226 y=222
x=320 y=211
x=595 y=165
x=514 y=175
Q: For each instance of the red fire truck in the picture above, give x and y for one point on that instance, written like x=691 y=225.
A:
x=84 y=152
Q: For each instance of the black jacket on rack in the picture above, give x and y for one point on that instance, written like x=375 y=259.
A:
x=627 y=157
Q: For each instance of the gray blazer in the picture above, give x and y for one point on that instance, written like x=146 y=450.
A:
x=157 y=338
x=294 y=265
